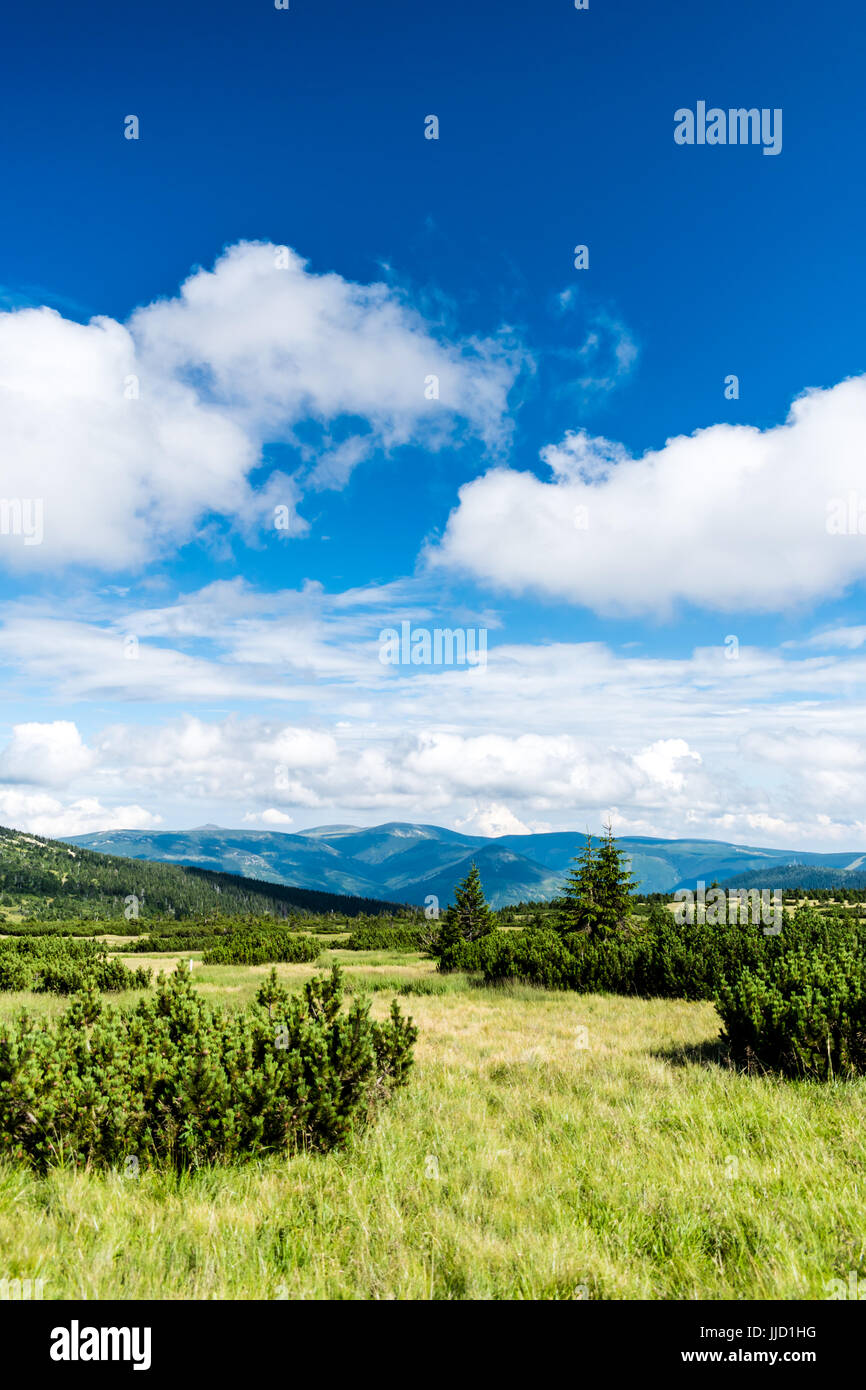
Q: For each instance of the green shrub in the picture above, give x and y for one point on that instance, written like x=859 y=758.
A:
x=180 y=1082
x=801 y=1012
x=652 y=958
x=535 y=955
x=51 y=965
x=71 y=927
x=261 y=948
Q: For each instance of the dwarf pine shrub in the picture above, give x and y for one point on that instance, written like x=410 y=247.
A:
x=69 y=927
x=653 y=958
x=51 y=965
x=178 y=1081
x=261 y=948
x=801 y=1011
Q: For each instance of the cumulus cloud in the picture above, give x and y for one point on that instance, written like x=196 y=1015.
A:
x=119 y=478
x=45 y=754
x=242 y=759
x=661 y=762
x=132 y=436
x=544 y=771
x=251 y=761
x=55 y=755
x=278 y=344
x=729 y=518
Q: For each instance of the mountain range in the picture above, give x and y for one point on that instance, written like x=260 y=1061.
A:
x=403 y=862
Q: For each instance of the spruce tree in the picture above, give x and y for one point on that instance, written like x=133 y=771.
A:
x=580 y=909
x=469 y=916
x=614 y=884
x=598 y=895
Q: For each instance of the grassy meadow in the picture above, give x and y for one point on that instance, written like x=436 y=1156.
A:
x=547 y=1146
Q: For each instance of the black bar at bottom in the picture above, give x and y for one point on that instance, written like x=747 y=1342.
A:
x=258 y=1339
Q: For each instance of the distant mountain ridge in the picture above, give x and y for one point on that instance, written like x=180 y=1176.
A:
x=406 y=862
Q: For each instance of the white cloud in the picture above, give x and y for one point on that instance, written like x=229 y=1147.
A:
x=492 y=819
x=661 y=762
x=846 y=638
x=79 y=660
x=119 y=478
x=801 y=786
x=300 y=748
x=45 y=815
x=226 y=642
x=45 y=754
x=277 y=344
x=731 y=518
x=269 y=817
x=671 y=745
x=243 y=760
x=132 y=436
x=544 y=771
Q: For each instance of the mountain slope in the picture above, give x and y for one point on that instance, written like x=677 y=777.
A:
x=51 y=879
x=267 y=855
x=805 y=876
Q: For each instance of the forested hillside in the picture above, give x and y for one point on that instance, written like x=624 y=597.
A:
x=47 y=880
x=808 y=877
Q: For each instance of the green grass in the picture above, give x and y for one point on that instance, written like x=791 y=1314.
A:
x=516 y=1164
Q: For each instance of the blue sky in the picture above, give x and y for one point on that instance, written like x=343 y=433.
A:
x=253 y=692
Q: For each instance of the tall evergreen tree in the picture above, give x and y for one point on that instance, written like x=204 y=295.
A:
x=598 y=895
x=580 y=911
x=469 y=916
x=615 y=883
